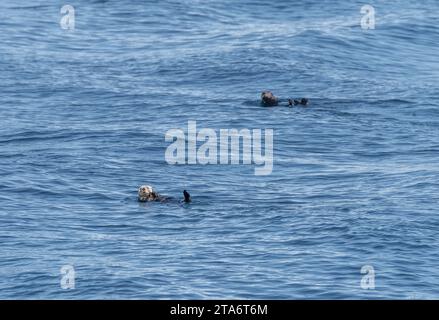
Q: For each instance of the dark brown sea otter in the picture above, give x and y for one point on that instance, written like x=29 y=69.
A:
x=269 y=99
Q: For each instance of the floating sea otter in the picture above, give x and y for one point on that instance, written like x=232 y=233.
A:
x=147 y=193
x=268 y=99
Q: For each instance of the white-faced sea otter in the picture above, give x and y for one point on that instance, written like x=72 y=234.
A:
x=147 y=193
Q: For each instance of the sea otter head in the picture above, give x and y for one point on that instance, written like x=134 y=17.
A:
x=268 y=98
x=147 y=193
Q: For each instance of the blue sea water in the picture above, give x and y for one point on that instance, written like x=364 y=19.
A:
x=83 y=117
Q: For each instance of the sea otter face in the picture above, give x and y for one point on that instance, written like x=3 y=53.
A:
x=268 y=98
x=147 y=193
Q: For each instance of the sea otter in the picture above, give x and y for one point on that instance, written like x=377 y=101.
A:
x=147 y=193
x=268 y=99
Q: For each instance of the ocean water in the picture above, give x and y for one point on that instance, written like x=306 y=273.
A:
x=83 y=117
